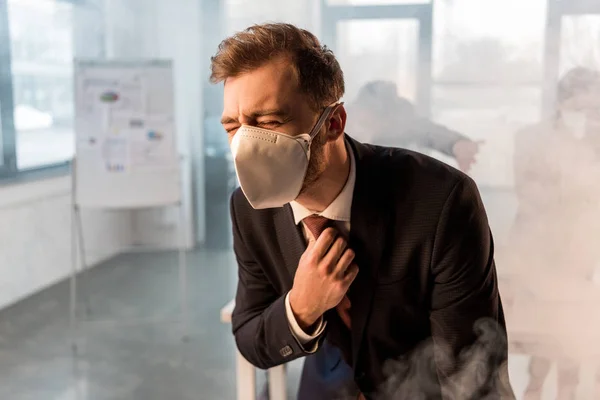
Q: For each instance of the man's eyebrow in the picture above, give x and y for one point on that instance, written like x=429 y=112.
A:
x=228 y=120
x=274 y=112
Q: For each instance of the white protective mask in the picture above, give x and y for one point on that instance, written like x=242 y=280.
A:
x=576 y=122
x=271 y=166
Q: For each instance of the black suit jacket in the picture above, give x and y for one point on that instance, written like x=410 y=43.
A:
x=426 y=313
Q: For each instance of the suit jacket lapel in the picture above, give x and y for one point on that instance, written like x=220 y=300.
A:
x=367 y=238
x=290 y=238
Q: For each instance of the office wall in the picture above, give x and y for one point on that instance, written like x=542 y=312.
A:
x=35 y=236
x=35 y=216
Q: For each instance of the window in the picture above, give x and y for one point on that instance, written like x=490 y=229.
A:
x=1 y=140
x=378 y=49
x=38 y=41
x=240 y=14
x=580 y=35
x=41 y=40
x=7 y=153
x=487 y=74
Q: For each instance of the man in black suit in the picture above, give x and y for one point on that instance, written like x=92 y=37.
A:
x=376 y=263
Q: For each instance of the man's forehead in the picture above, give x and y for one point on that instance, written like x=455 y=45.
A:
x=273 y=85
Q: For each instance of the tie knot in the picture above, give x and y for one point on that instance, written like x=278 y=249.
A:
x=316 y=224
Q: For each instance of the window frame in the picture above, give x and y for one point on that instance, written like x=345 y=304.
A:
x=331 y=15
x=9 y=171
x=8 y=162
x=557 y=9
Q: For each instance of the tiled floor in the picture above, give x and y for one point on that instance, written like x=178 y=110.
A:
x=121 y=360
x=136 y=361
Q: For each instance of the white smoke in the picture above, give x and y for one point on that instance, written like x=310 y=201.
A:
x=488 y=68
x=480 y=368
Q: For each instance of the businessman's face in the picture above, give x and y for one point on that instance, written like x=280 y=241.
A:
x=270 y=98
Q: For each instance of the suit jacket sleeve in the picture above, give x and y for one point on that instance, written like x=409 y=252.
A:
x=428 y=134
x=259 y=320
x=468 y=328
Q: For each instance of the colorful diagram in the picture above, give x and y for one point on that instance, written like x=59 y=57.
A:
x=109 y=97
x=154 y=135
x=115 y=167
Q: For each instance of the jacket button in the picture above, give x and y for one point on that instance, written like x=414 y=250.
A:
x=286 y=351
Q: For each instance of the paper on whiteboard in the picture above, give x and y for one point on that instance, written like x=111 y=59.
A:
x=125 y=132
x=115 y=154
x=151 y=147
x=124 y=121
x=89 y=152
x=108 y=154
x=100 y=98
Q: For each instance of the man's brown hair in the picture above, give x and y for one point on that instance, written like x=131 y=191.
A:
x=319 y=73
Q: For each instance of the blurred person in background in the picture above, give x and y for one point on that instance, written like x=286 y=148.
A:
x=380 y=116
x=554 y=241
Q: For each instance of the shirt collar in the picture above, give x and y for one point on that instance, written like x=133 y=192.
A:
x=341 y=207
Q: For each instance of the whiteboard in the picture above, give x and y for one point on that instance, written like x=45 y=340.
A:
x=126 y=148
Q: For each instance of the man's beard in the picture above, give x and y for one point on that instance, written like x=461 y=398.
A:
x=316 y=162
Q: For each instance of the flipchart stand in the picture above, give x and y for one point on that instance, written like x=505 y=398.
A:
x=79 y=265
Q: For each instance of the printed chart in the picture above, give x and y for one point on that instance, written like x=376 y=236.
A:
x=125 y=132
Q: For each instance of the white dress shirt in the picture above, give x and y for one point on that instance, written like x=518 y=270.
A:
x=339 y=211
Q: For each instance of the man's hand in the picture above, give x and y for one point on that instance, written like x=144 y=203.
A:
x=323 y=277
x=465 y=151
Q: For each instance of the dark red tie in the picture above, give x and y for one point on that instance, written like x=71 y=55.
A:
x=316 y=224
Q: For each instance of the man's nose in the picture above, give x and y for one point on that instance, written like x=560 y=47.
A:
x=245 y=120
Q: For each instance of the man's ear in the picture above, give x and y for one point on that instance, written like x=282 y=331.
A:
x=337 y=122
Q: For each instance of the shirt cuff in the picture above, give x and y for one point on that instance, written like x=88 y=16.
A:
x=302 y=337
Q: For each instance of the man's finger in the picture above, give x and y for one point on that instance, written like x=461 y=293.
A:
x=343 y=309
x=351 y=273
x=324 y=242
x=343 y=263
x=345 y=302
x=335 y=253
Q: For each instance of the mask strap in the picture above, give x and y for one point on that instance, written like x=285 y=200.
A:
x=324 y=115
